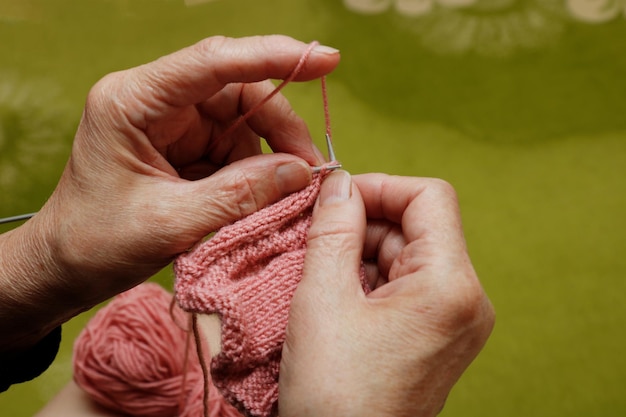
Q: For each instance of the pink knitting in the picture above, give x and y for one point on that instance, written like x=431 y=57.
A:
x=247 y=274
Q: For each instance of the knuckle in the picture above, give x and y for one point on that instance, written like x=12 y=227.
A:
x=95 y=97
x=443 y=188
x=329 y=227
x=467 y=307
x=108 y=99
x=104 y=90
x=210 y=45
x=244 y=200
x=332 y=234
x=335 y=232
x=214 y=47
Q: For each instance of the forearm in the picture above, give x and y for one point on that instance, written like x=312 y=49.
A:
x=33 y=296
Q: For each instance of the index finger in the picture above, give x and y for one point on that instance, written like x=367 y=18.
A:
x=195 y=73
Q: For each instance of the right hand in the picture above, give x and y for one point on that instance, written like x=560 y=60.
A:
x=398 y=350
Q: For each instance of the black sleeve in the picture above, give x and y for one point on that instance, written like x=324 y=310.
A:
x=27 y=364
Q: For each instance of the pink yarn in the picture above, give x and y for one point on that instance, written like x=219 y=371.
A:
x=297 y=69
x=133 y=358
x=247 y=274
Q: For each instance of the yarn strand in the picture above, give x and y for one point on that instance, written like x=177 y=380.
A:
x=205 y=370
x=326 y=110
x=294 y=73
x=182 y=400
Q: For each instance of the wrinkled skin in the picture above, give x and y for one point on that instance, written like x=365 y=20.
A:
x=149 y=176
x=398 y=350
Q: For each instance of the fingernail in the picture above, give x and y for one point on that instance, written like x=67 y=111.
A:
x=337 y=187
x=323 y=49
x=292 y=177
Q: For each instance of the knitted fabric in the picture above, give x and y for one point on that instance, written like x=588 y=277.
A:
x=247 y=273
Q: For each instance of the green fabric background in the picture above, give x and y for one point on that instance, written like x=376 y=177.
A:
x=519 y=104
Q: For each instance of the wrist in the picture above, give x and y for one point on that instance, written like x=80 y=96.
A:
x=33 y=297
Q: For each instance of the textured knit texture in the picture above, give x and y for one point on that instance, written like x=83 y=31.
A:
x=247 y=273
x=133 y=358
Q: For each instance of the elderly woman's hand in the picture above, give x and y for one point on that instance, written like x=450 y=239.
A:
x=398 y=350
x=148 y=177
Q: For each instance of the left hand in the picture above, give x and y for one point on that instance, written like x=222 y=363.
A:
x=125 y=206
x=150 y=176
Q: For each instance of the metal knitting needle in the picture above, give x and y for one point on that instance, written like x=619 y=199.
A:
x=16 y=218
x=331 y=167
x=331 y=151
x=331 y=158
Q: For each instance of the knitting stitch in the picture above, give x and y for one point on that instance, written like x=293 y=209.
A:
x=247 y=273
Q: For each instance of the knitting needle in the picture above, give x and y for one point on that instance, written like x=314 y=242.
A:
x=16 y=218
x=331 y=167
x=331 y=158
x=331 y=151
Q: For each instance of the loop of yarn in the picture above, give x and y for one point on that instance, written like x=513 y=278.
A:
x=133 y=358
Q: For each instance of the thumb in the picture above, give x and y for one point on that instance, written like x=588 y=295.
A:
x=335 y=242
x=232 y=193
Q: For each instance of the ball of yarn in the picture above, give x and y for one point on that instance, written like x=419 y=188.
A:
x=133 y=358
